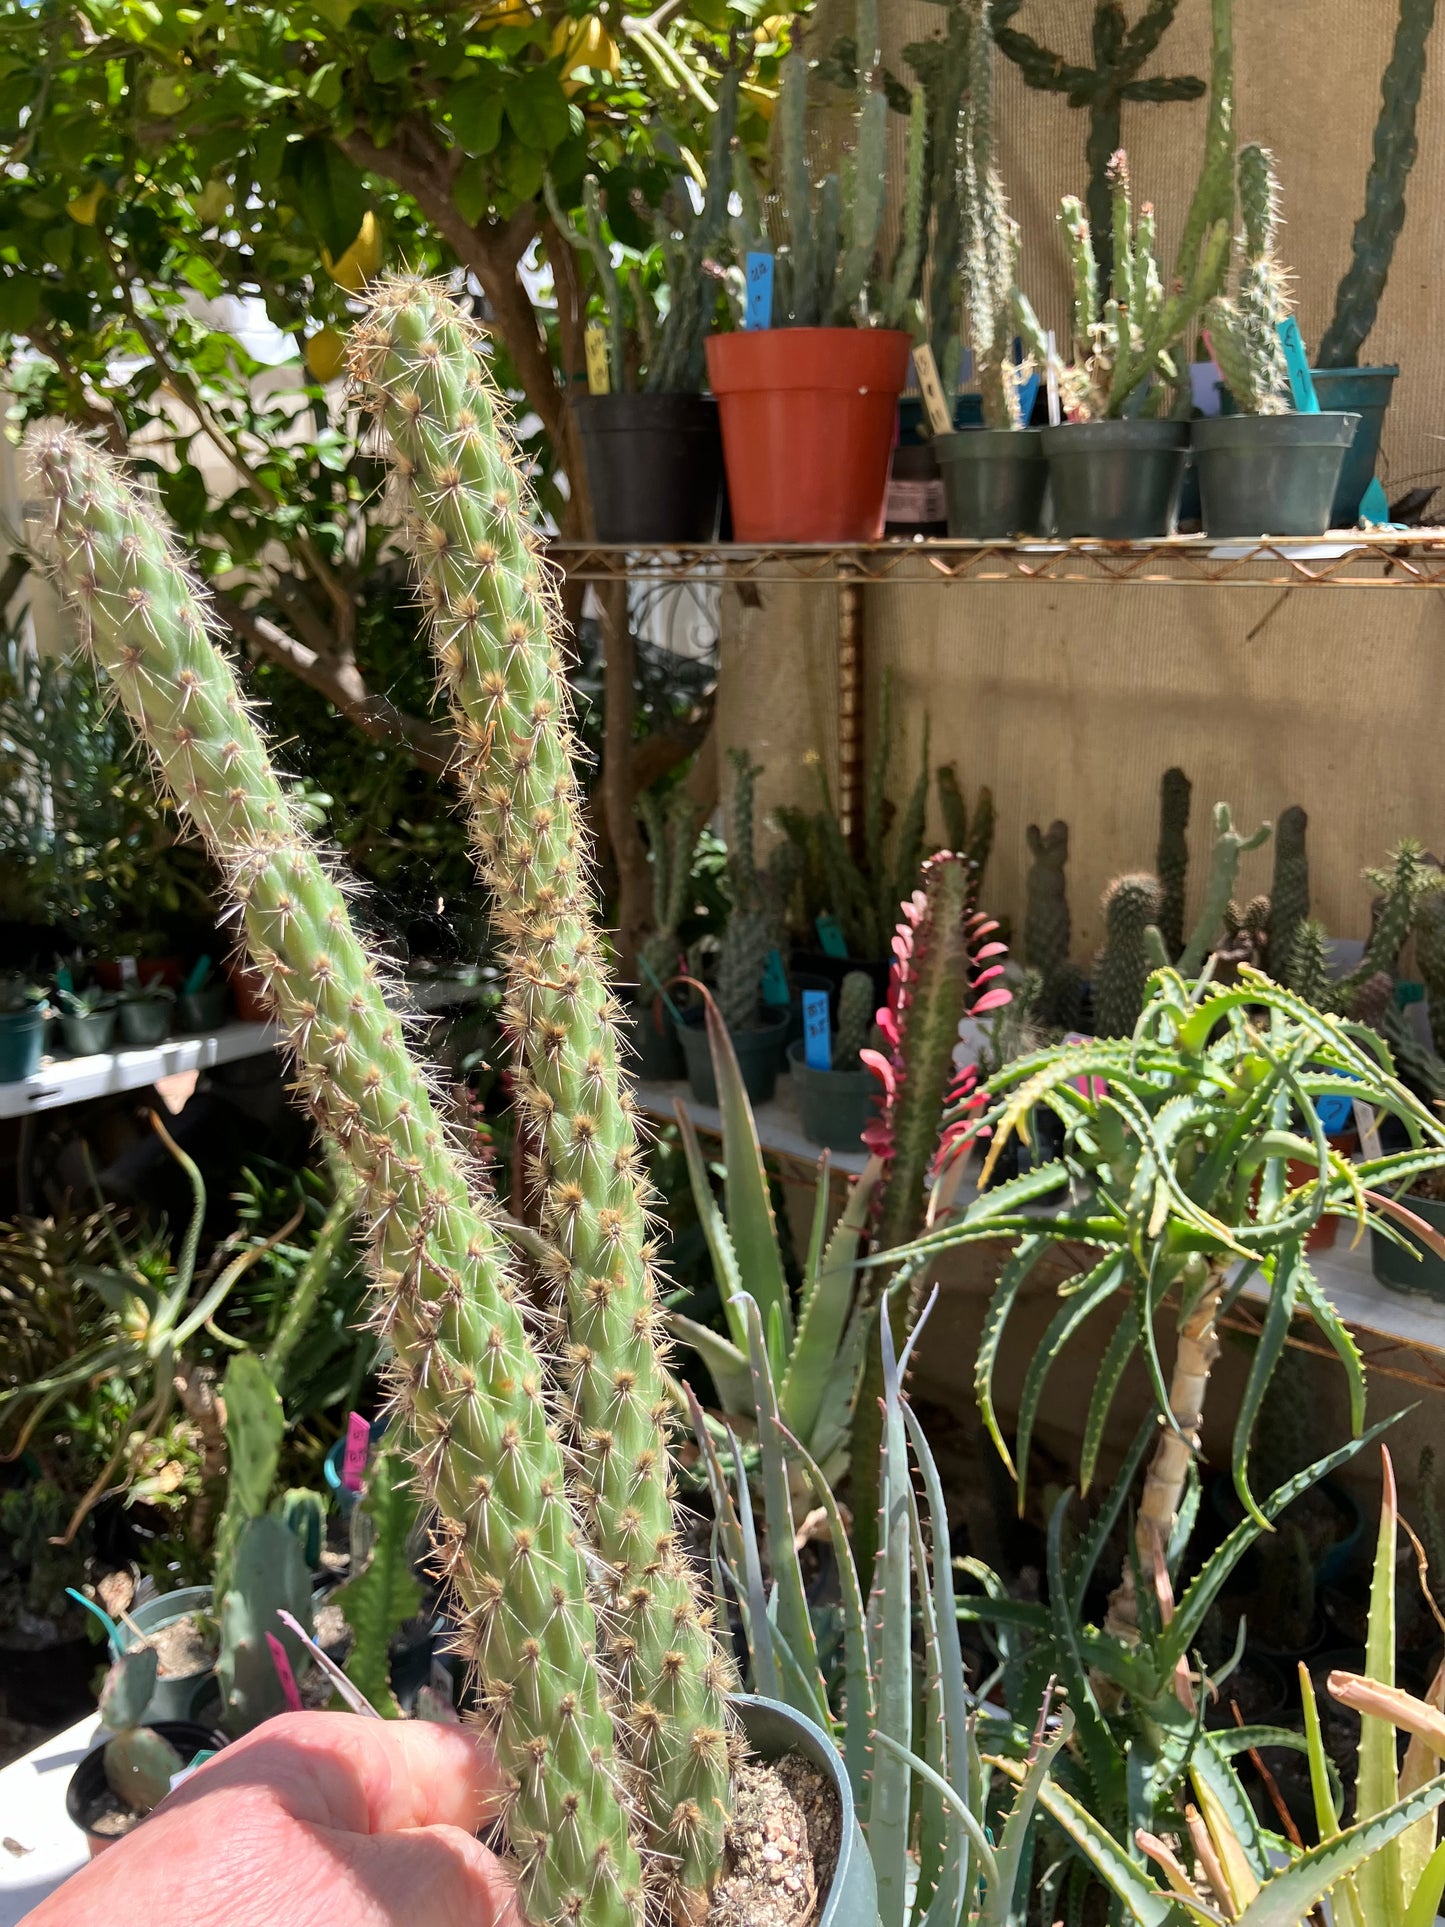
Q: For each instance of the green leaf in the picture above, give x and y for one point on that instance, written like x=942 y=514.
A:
x=1144 y=1903
x=745 y=1185
x=536 y=109
x=1376 y=1787
x=1281 y=1272
x=1285 y=1899
x=331 y=193
x=474 y=108
x=388 y=57
x=384 y=1593
x=472 y=191
x=823 y=1314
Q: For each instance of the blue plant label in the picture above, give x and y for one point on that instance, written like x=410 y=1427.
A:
x=199 y=971
x=1297 y=362
x=775 y=980
x=817 y=1044
x=63 y=978
x=1375 y=505
x=830 y=936
x=1028 y=395
x=759 y=312
x=1335 y=1113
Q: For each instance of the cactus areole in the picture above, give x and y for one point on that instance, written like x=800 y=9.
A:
x=467 y=1378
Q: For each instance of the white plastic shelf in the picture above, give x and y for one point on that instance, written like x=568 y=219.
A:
x=70 y=1080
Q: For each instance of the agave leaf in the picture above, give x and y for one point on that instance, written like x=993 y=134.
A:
x=1281 y=1272
x=1340 y=1338
x=1095 y=1741
x=720 y=1245
x=1229 y=1818
x=766 y=1664
x=1011 y=1280
x=1101 y=1400
x=823 y=1313
x=1144 y=1904
x=728 y=1366
x=1287 y=1897
x=745 y=1184
x=888 y=1814
x=1092 y=1290
x=1003 y=1903
x=960 y=1808
x=1376 y=1788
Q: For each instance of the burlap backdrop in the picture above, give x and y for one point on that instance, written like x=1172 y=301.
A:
x=1071 y=701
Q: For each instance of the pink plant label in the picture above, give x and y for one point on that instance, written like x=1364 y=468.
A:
x=290 y=1692
x=353 y=1461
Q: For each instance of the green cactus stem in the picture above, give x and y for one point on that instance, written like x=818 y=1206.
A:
x=139 y=1767
x=856 y=999
x=952 y=807
x=1289 y=896
x=1171 y=862
x=419 y=364
x=1357 y=300
x=990 y=251
x=1430 y=954
x=1229 y=847
x=1308 y=973
x=1048 y=930
x=672 y=833
x=466 y=1376
x=1244 y=332
x=1123 y=966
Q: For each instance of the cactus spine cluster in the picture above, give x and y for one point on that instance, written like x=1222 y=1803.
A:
x=1128 y=340
x=1289 y=896
x=1357 y=300
x=1244 y=332
x=466 y=1376
x=1122 y=967
x=751 y=929
x=1171 y=860
x=856 y=999
x=419 y=366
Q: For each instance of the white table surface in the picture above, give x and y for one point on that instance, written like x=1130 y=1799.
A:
x=33 y=1816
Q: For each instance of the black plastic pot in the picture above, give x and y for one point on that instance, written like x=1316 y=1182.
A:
x=1404 y=1270
x=995 y=479
x=203 y=1009
x=759 y=1053
x=654 y=466
x=833 y=1106
x=819 y=963
x=87 y=1792
x=1364 y=392
x=774 y=1732
x=145 y=1021
x=1269 y=474
x=1119 y=481
x=650 y=1041
x=90 y=1034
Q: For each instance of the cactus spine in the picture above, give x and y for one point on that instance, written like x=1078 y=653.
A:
x=1289 y=896
x=1308 y=973
x=419 y=366
x=1122 y=967
x=1244 y=332
x=750 y=932
x=990 y=246
x=1229 y=847
x=466 y=1375
x=856 y=999
x=1358 y=298
x=1171 y=861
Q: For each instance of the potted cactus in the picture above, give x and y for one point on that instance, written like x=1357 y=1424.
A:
x=1264 y=470
x=650 y=444
x=809 y=403
x=834 y=1103
x=1340 y=380
x=145 y=1012
x=1117 y=464
x=994 y=476
x=553 y=1518
x=119 y=1783
x=87 y=1019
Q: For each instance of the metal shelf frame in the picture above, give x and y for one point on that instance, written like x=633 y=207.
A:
x=1344 y=559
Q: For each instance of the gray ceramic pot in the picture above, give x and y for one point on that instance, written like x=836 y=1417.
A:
x=775 y=1731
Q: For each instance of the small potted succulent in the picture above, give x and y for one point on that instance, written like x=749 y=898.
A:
x=808 y=396
x=994 y=476
x=650 y=444
x=1264 y=470
x=1117 y=464
x=87 y=1019
x=835 y=1103
x=201 y=1004
x=146 y=1011
x=23 y=1011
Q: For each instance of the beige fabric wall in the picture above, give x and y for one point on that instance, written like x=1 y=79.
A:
x=1071 y=700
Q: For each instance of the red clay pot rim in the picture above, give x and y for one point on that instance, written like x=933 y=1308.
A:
x=847 y=359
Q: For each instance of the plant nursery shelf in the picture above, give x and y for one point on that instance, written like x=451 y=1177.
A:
x=1354 y=559
x=71 y=1080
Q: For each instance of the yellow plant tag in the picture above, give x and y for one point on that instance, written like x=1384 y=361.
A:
x=935 y=403
x=598 y=382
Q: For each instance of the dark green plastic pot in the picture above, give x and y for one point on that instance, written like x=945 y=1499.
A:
x=651 y=1042
x=1119 y=481
x=775 y=1732
x=203 y=1009
x=91 y=1034
x=1364 y=392
x=22 y=1043
x=145 y=1021
x=833 y=1106
x=1269 y=474
x=759 y=1053
x=1404 y=1270
x=177 y=1696
x=995 y=480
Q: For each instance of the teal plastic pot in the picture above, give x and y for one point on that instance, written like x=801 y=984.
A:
x=22 y=1043
x=177 y=1696
x=91 y=1034
x=833 y=1106
x=995 y=480
x=1405 y=1270
x=1119 y=481
x=759 y=1053
x=775 y=1732
x=203 y=1009
x=146 y=1020
x=1270 y=474
x=1364 y=392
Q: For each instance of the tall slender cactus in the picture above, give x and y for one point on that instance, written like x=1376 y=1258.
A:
x=418 y=364
x=466 y=1376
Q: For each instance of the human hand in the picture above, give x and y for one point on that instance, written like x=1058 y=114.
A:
x=313 y=1820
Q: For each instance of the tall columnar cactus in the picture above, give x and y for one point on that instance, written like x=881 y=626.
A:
x=856 y=998
x=1048 y=928
x=1307 y=971
x=1430 y=955
x=419 y=365
x=1289 y=896
x=1244 y=332
x=1171 y=860
x=672 y=843
x=942 y=66
x=1357 y=300
x=1122 y=967
x=466 y=1374
x=750 y=931
x=1230 y=845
